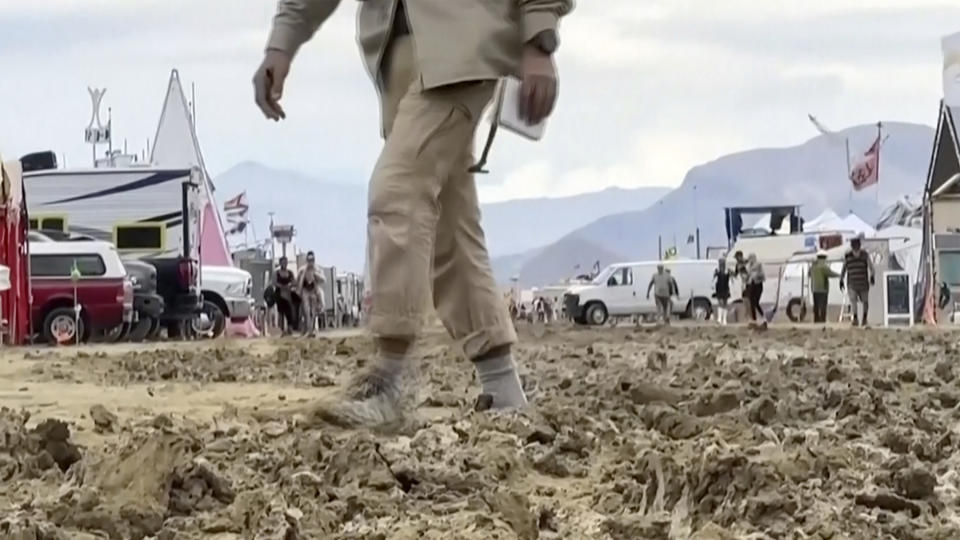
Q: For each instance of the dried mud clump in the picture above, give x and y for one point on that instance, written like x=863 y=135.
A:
x=702 y=433
x=27 y=453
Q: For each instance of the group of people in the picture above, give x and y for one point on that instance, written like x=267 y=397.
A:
x=856 y=278
x=299 y=297
x=542 y=311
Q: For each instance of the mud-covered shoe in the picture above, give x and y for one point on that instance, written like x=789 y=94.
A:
x=371 y=400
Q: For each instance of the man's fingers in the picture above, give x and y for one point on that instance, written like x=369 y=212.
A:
x=260 y=93
x=277 y=75
x=524 y=101
x=539 y=99
x=551 y=101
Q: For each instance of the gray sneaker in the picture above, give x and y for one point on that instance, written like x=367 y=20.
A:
x=371 y=400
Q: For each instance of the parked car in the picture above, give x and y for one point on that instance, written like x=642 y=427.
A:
x=620 y=290
x=147 y=304
x=101 y=289
x=227 y=296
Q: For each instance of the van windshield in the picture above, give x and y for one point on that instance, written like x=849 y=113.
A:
x=603 y=276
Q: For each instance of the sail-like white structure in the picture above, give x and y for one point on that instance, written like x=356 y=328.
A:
x=176 y=145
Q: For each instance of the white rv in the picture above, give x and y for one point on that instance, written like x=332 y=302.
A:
x=620 y=290
x=149 y=214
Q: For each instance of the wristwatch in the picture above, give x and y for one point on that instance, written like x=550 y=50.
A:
x=547 y=41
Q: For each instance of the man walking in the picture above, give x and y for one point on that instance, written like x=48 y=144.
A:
x=423 y=226
x=859 y=272
x=663 y=286
x=820 y=274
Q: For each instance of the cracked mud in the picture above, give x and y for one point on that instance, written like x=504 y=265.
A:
x=685 y=433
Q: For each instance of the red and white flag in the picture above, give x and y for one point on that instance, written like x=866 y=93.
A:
x=235 y=210
x=865 y=172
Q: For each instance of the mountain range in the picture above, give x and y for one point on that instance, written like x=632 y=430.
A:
x=546 y=240
x=331 y=217
x=812 y=175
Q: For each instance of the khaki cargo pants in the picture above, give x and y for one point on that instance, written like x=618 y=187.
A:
x=423 y=230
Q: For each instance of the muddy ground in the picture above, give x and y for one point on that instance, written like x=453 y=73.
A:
x=634 y=433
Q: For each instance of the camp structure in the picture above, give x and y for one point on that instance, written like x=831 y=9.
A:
x=940 y=262
x=14 y=256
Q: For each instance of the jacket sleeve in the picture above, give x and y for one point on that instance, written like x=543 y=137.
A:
x=296 y=21
x=540 y=15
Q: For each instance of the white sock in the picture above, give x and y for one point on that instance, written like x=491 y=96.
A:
x=499 y=379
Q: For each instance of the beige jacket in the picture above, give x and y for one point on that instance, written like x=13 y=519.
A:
x=455 y=40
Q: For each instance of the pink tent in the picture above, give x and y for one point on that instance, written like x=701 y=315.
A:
x=176 y=145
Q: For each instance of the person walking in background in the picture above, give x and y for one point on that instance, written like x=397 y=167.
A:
x=435 y=64
x=721 y=290
x=283 y=283
x=663 y=286
x=820 y=274
x=310 y=283
x=754 y=291
x=859 y=273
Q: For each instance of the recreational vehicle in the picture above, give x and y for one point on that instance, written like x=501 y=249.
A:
x=620 y=290
x=149 y=214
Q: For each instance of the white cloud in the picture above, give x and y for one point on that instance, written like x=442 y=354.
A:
x=648 y=89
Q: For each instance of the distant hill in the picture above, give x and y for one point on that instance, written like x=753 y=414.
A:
x=811 y=174
x=331 y=217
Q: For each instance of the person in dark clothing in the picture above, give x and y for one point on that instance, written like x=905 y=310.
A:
x=859 y=273
x=287 y=306
x=754 y=291
x=721 y=279
x=820 y=274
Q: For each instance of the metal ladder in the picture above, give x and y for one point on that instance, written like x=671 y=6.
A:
x=846 y=309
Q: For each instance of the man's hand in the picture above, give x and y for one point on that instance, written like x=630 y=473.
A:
x=872 y=281
x=538 y=92
x=268 y=83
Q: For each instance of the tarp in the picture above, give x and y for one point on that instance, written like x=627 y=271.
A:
x=176 y=145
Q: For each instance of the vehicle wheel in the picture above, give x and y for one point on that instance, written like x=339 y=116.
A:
x=141 y=329
x=700 y=309
x=597 y=314
x=796 y=310
x=62 y=326
x=114 y=334
x=210 y=323
x=155 y=326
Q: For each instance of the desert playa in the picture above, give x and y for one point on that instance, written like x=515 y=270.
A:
x=691 y=432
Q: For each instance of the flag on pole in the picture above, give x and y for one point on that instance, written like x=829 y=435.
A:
x=75 y=274
x=671 y=253
x=691 y=239
x=236 y=210
x=865 y=173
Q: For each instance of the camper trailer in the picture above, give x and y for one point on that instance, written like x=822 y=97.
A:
x=149 y=214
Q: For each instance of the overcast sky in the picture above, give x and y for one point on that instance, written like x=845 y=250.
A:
x=649 y=88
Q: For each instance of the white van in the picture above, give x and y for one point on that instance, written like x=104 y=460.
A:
x=620 y=290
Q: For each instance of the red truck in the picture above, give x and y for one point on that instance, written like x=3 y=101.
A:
x=103 y=291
